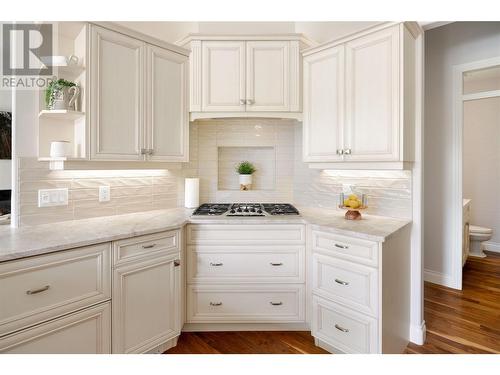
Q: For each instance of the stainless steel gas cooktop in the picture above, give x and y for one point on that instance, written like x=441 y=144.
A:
x=245 y=209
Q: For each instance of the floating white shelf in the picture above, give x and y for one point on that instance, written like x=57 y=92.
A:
x=60 y=114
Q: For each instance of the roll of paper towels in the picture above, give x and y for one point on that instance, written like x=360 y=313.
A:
x=192 y=192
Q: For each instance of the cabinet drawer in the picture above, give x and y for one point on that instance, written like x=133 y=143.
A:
x=149 y=245
x=350 y=284
x=44 y=287
x=219 y=264
x=348 y=248
x=287 y=234
x=83 y=332
x=344 y=329
x=239 y=304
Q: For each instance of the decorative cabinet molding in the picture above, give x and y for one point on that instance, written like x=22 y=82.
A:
x=359 y=101
x=246 y=76
x=138 y=99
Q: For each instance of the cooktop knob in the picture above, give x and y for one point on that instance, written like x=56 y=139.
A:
x=246 y=209
x=232 y=211
x=252 y=209
x=259 y=211
x=239 y=209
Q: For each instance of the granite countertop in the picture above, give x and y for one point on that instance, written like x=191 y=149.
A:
x=28 y=241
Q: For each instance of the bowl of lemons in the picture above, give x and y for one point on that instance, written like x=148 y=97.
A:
x=353 y=203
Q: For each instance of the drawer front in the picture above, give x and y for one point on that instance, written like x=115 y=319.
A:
x=287 y=234
x=44 y=287
x=348 y=283
x=215 y=303
x=348 y=248
x=221 y=264
x=84 y=332
x=146 y=246
x=344 y=329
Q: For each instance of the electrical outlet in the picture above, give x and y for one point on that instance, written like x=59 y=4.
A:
x=52 y=197
x=104 y=193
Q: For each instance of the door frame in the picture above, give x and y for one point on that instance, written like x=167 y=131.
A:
x=457 y=151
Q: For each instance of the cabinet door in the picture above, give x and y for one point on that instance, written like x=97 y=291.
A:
x=85 y=332
x=223 y=76
x=117 y=78
x=372 y=97
x=323 y=105
x=167 y=105
x=268 y=75
x=146 y=304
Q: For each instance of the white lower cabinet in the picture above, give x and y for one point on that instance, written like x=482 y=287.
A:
x=245 y=273
x=344 y=329
x=85 y=332
x=147 y=294
x=360 y=293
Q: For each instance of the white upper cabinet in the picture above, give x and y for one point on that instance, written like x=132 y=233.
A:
x=372 y=97
x=167 y=109
x=138 y=99
x=116 y=101
x=268 y=74
x=244 y=76
x=223 y=76
x=323 y=105
x=355 y=113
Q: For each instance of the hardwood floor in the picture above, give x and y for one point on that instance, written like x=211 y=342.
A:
x=466 y=321
x=256 y=342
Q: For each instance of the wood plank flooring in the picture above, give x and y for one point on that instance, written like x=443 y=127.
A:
x=256 y=342
x=468 y=320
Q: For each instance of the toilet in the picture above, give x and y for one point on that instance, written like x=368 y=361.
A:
x=478 y=235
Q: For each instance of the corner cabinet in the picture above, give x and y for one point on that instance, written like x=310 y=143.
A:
x=245 y=76
x=138 y=99
x=359 y=100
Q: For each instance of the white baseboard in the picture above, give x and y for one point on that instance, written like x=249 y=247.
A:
x=438 y=278
x=417 y=333
x=204 y=327
x=492 y=246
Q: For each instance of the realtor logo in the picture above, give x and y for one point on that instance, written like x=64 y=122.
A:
x=27 y=49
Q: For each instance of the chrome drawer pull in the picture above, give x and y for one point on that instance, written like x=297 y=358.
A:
x=345 y=330
x=276 y=264
x=341 y=282
x=148 y=246
x=341 y=246
x=276 y=303
x=215 y=303
x=217 y=264
x=39 y=290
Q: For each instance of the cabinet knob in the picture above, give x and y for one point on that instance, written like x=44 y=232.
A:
x=340 y=152
x=347 y=151
x=243 y=101
x=177 y=263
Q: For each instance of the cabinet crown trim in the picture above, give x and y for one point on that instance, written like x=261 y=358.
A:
x=305 y=42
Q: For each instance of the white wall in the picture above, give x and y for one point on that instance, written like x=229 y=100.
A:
x=481 y=162
x=456 y=43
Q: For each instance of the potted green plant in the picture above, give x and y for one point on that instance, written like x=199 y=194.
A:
x=245 y=170
x=61 y=94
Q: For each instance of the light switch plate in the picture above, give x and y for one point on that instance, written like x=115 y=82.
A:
x=104 y=193
x=52 y=197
